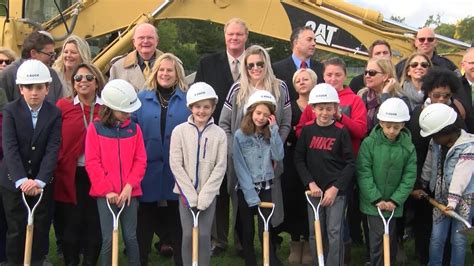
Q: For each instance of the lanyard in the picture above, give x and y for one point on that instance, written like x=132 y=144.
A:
x=91 y=116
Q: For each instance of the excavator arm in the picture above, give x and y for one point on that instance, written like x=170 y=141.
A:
x=340 y=27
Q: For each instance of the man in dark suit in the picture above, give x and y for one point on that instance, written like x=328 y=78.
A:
x=468 y=83
x=221 y=70
x=303 y=45
x=31 y=140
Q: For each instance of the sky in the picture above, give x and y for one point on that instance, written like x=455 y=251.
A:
x=416 y=12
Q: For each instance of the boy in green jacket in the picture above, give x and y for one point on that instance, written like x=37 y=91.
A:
x=386 y=170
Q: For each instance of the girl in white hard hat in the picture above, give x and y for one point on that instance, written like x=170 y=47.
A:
x=386 y=173
x=198 y=160
x=448 y=173
x=257 y=147
x=116 y=162
x=325 y=163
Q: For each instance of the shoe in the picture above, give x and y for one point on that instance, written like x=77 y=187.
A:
x=216 y=250
x=295 y=252
x=306 y=257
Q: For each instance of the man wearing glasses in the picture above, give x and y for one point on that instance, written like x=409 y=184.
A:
x=38 y=45
x=425 y=42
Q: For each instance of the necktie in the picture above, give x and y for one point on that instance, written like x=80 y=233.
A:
x=235 y=69
x=146 y=70
x=472 y=93
x=303 y=64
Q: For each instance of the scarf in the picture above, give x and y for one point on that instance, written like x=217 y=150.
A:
x=373 y=103
x=414 y=96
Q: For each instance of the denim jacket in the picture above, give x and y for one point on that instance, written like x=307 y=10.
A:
x=458 y=168
x=253 y=156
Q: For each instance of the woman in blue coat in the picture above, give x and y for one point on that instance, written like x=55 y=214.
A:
x=163 y=108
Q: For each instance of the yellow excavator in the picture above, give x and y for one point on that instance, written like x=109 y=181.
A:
x=340 y=27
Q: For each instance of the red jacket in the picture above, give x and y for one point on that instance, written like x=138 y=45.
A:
x=115 y=156
x=354 y=117
x=73 y=141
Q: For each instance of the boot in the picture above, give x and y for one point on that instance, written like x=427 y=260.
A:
x=306 y=257
x=295 y=252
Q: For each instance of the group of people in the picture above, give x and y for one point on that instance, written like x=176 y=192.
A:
x=246 y=131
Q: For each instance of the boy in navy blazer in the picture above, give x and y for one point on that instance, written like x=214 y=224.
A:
x=31 y=139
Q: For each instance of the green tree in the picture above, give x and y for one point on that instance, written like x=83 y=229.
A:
x=433 y=20
x=465 y=29
x=445 y=29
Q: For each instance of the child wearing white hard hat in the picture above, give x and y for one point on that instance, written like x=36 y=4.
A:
x=386 y=173
x=116 y=162
x=198 y=160
x=326 y=165
x=448 y=173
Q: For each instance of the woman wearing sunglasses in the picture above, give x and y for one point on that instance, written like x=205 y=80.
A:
x=438 y=86
x=380 y=84
x=256 y=74
x=416 y=67
x=75 y=51
x=7 y=56
x=74 y=207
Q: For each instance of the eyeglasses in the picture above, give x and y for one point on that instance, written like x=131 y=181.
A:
x=258 y=65
x=51 y=54
x=89 y=77
x=423 y=39
x=437 y=95
x=6 y=62
x=422 y=64
x=371 y=72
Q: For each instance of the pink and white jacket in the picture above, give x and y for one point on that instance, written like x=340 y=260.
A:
x=115 y=156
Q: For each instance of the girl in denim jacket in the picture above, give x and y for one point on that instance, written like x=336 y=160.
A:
x=257 y=147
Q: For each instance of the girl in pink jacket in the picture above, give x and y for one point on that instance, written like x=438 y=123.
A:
x=116 y=162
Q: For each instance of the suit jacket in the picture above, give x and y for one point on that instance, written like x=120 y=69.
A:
x=469 y=111
x=29 y=152
x=127 y=68
x=285 y=69
x=214 y=69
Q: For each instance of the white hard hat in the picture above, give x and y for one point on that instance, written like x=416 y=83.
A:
x=393 y=110
x=323 y=93
x=200 y=91
x=260 y=96
x=435 y=117
x=33 y=72
x=119 y=95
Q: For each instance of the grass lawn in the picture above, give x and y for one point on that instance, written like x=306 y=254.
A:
x=229 y=257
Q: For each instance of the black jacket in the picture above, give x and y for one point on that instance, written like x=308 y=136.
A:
x=29 y=152
x=285 y=69
x=214 y=70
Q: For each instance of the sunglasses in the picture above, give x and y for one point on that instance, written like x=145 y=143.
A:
x=257 y=65
x=371 y=72
x=422 y=64
x=423 y=39
x=52 y=54
x=439 y=95
x=89 y=77
x=6 y=62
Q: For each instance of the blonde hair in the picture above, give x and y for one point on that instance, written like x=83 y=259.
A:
x=312 y=75
x=236 y=21
x=152 y=83
x=82 y=47
x=8 y=53
x=270 y=82
x=405 y=76
x=387 y=69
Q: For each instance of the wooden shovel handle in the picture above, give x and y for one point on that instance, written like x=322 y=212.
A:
x=28 y=245
x=115 y=244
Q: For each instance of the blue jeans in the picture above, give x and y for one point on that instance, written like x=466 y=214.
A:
x=331 y=230
x=438 y=238
x=128 y=223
